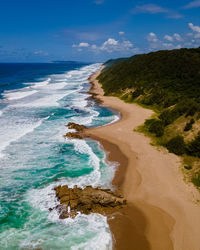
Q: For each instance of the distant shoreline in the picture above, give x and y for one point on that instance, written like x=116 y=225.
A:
x=150 y=181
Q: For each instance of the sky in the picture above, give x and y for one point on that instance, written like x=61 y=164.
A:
x=94 y=30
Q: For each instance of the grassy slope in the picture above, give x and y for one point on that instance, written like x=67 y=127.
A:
x=169 y=83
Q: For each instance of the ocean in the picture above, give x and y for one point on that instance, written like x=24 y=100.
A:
x=36 y=102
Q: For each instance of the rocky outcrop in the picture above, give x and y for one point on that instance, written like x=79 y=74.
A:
x=87 y=200
x=74 y=135
x=77 y=127
x=79 y=131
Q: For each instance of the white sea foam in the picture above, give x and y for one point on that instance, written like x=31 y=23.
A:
x=54 y=86
x=8 y=134
x=112 y=119
x=46 y=101
x=96 y=224
x=93 y=178
x=91 y=228
x=39 y=84
x=50 y=100
x=82 y=147
x=102 y=240
x=81 y=103
x=92 y=114
x=14 y=95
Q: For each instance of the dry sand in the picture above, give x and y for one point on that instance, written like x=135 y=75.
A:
x=162 y=213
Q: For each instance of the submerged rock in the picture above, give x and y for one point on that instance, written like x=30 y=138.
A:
x=87 y=200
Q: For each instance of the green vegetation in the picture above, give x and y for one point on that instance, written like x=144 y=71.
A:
x=169 y=83
x=155 y=126
x=196 y=180
x=188 y=167
x=164 y=76
x=193 y=147
x=188 y=125
x=176 y=145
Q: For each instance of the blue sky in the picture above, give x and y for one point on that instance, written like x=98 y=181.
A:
x=94 y=30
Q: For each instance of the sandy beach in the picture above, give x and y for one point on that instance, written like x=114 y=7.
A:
x=162 y=212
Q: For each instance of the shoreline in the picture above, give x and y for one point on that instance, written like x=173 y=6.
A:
x=160 y=212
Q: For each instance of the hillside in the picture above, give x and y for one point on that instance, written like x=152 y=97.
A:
x=169 y=83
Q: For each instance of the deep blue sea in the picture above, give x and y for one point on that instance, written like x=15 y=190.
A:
x=36 y=102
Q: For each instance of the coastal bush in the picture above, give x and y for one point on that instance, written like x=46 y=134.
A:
x=167 y=76
x=137 y=93
x=188 y=125
x=168 y=81
x=156 y=127
x=188 y=167
x=168 y=116
x=187 y=107
x=192 y=121
x=193 y=147
x=159 y=97
x=196 y=179
x=176 y=145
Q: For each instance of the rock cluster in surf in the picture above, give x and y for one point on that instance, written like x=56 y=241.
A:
x=79 y=131
x=87 y=200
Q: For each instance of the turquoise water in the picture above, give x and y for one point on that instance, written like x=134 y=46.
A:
x=35 y=157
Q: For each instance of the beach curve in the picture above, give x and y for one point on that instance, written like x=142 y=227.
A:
x=161 y=207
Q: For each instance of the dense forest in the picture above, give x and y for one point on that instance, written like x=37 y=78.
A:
x=167 y=81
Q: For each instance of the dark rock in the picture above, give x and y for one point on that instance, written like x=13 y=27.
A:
x=64 y=199
x=73 y=135
x=87 y=200
x=79 y=131
x=77 y=127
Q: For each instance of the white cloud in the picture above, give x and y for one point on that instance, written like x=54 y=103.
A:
x=156 y=9
x=179 y=46
x=81 y=45
x=110 y=41
x=149 y=8
x=152 y=37
x=190 y=34
x=136 y=50
x=193 y=4
x=40 y=52
x=194 y=28
x=110 y=45
x=175 y=41
x=177 y=37
x=169 y=38
x=94 y=46
x=168 y=45
x=157 y=44
x=85 y=45
x=121 y=33
x=127 y=44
